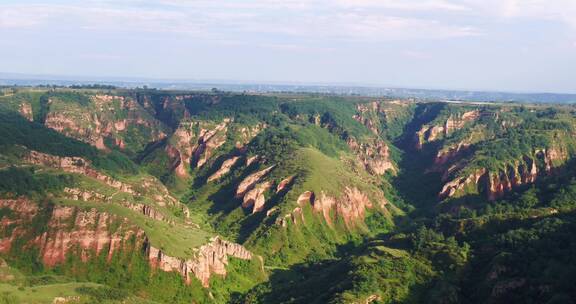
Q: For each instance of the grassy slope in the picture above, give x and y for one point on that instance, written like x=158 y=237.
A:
x=320 y=162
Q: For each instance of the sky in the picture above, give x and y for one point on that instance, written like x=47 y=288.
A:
x=505 y=45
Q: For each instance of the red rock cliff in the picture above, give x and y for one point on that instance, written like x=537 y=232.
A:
x=89 y=233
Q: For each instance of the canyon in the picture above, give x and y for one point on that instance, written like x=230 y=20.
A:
x=218 y=197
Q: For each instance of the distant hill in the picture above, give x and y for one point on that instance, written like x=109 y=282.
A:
x=7 y=79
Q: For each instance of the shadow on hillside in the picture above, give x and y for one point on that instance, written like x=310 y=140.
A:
x=224 y=200
x=537 y=251
x=320 y=281
x=414 y=185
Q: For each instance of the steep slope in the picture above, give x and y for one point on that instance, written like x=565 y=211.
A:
x=231 y=148
x=255 y=193
x=66 y=214
x=374 y=274
x=183 y=197
x=510 y=148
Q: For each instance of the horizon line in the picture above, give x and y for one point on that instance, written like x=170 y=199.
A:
x=7 y=76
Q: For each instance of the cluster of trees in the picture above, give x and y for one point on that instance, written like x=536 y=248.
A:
x=335 y=113
x=24 y=181
x=93 y=86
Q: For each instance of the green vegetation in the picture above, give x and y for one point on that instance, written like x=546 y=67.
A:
x=16 y=130
x=334 y=113
x=510 y=242
x=23 y=181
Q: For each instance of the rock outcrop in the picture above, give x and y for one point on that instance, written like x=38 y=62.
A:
x=195 y=143
x=87 y=231
x=284 y=184
x=306 y=198
x=444 y=156
x=255 y=198
x=66 y=124
x=252 y=159
x=366 y=113
x=24 y=212
x=524 y=172
x=147 y=186
x=208 y=142
x=250 y=181
x=86 y=195
x=430 y=133
x=90 y=233
x=459 y=184
x=373 y=155
x=147 y=211
x=351 y=207
x=67 y=229
x=25 y=110
x=99 y=120
x=209 y=259
x=375 y=114
x=75 y=165
x=246 y=134
x=175 y=161
x=514 y=174
x=224 y=169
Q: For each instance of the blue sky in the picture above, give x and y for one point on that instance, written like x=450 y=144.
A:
x=512 y=45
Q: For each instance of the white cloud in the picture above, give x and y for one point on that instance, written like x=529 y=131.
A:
x=23 y=17
x=399 y=28
x=318 y=19
x=411 y=5
x=342 y=19
x=551 y=10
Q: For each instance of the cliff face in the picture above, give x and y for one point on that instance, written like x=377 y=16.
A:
x=377 y=114
x=244 y=134
x=90 y=233
x=146 y=187
x=455 y=186
x=524 y=172
x=516 y=173
x=209 y=259
x=430 y=133
x=373 y=155
x=87 y=195
x=350 y=207
x=224 y=168
x=86 y=232
x=24 y=213
x=367 y=113
x=116 y=118
x=74 y=165
x=193 y=143
x=255 y=198
x=446 y=155
x=250 y=181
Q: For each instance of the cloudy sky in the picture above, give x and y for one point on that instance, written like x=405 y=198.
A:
x=513 y=45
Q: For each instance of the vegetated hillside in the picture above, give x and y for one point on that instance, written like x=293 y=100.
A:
x=178 y=197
